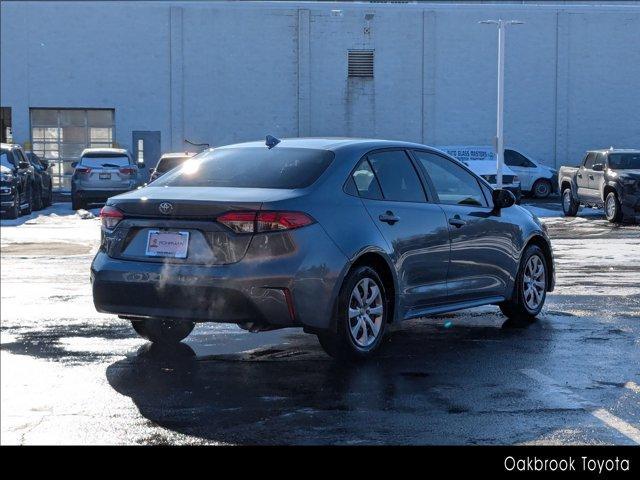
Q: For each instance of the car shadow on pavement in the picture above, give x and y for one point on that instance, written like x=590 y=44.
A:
x=294 y=394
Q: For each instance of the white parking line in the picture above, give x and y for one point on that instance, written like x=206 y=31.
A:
x=601 y=414
x=633 y=386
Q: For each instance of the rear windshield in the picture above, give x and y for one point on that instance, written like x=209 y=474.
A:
x=168 y=163
x=624 y=161
x=104 y=161
x=251 y=167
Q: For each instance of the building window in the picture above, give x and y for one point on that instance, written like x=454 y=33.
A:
x=140 y=151
x=360 y=63
x=60 y=135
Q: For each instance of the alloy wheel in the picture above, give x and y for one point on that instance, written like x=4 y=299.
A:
x=366 y=312
x=611 y=206
x=534 y=282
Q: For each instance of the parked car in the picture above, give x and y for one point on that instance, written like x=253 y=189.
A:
x=167 y=162
x=536 y=179
x=338 y=236
x=605 y=178
x=102 y=173
x=481 y=160
x=43 y=185
x=17 y=180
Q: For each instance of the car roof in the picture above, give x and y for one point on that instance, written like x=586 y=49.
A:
x=331 y=143
x=111 y=151
x=615 y=150
x=177 y=155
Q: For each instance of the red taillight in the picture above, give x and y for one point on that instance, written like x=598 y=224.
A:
x=110 y=217
x=127 y=170
x=83 y=170
x=260 y=222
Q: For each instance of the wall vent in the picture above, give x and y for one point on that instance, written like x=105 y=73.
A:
x=360 y=63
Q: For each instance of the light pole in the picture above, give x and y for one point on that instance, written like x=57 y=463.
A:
x=499 y=141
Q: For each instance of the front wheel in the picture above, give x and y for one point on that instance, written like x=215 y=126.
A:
x=30 y=198
x=569 y=205
x=612 y=208
x=14 y=211
x=363 y=312
x=167 y=332
x=530 y=289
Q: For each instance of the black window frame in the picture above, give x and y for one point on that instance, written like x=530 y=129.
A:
x=425 y=188
x=481 y=182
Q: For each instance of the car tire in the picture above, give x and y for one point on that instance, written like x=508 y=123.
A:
x=612 y=208
x=161 y=331
x=14 y=212
x=361 y=322
x=77 y=203
x=530 y=289
x=569 y=204
x=541 y=188
x=29 y=209
x=38 y=202
x=50 y=196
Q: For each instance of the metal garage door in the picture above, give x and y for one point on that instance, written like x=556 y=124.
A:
x=59 y=135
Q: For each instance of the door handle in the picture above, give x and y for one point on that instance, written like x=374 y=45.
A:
x=389 y=218
x=457 y=222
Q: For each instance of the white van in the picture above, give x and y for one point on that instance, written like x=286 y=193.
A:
x=536 y=179
x=482 y=162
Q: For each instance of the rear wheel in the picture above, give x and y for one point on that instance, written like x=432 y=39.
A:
x=77 y=203
x=569 y=204
x=612 y=208
x=363 y=310
x=542 y=188
x=530 y=289
x=163 y=331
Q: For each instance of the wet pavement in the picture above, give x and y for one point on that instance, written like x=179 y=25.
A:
x=73 y=376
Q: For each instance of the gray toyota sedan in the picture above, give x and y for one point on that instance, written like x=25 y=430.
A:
x=340 y=237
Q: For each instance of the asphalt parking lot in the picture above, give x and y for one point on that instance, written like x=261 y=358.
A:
x=73 y=376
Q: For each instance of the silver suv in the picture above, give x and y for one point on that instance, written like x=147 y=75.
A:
x=102 y=173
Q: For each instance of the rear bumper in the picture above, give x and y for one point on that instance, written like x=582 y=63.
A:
x=99 y=195
x=296 y=288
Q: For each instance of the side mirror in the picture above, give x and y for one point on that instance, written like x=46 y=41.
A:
x=74 y=164
x=503 y=198
x=598 y=167
x=44 y=164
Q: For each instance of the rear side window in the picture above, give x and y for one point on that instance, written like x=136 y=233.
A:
x=454 y=185
x=168 y=163
x=251 y=167
x=366 y=182
x=398 y=179
x=105 y=161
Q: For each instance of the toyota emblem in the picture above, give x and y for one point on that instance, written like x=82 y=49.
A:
x=165 y=208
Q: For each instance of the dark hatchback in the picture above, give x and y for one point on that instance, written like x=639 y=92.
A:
x=337 y=236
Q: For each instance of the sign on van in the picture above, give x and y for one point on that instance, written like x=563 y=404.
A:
x=469 y=154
